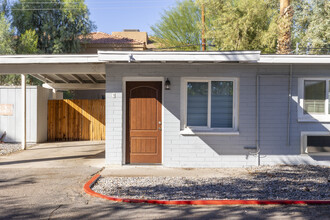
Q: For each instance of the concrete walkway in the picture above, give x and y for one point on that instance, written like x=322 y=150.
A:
x=57 y=155
x=45 y=182
x=47 y=178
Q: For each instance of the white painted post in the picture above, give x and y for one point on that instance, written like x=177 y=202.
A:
x=23 y=82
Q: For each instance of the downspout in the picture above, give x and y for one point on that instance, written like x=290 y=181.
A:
x=258 y=110
x=288 y=142
x=257 y=119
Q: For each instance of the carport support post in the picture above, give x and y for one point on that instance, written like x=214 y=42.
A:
x=23 y=82
x=54 y=93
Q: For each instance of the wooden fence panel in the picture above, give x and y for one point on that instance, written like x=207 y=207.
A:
x=74 y=120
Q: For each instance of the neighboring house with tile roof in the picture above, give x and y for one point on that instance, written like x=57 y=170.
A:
x=118 y=41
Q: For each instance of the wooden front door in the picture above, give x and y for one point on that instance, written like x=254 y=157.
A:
x=143 y=122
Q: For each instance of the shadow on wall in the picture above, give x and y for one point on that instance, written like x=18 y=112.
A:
x=273 y=117
x=89 y=94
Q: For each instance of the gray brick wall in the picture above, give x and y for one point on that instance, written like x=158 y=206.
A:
x=114 y=121
x=219 y=151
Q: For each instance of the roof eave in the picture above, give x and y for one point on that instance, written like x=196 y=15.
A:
x=294 y=59
x=142 y=56
x=49 y=59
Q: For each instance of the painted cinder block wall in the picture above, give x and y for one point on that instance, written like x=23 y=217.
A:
x=36 y=113
x=224 y=150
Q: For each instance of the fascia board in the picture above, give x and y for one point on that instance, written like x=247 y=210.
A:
x=244 y=56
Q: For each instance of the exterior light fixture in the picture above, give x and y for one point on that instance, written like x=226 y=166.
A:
x=167 y=84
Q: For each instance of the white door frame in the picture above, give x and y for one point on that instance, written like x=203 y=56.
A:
x=140 y=79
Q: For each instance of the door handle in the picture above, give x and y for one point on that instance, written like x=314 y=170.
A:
x=160 y=122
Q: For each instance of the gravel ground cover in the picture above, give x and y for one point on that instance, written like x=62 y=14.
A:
x=8 y=148
x=301 y=182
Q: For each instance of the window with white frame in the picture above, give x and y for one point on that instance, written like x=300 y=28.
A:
x=211 y=104
x=314 y=99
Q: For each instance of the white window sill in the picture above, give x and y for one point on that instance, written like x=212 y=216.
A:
x=219 y=132
x=317 y=154
x=314 y=118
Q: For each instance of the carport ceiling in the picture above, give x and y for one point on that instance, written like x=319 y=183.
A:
x=71 y=78
x=55 y=70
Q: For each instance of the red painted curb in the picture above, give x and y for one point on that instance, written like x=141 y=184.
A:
x=89 y=191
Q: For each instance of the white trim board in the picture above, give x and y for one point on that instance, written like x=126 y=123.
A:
x=75 y=86
x=151 y=56
x=294 y=59
x=142 y=56
x=39 y=59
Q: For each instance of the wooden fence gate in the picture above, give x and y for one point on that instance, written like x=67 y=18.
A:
x=75 y=120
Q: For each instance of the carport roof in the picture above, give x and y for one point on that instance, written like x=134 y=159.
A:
x=44 y=59
x=58 y=71
x=214 y=57
x=89 y=70
x=134 y=56
x=151 y=56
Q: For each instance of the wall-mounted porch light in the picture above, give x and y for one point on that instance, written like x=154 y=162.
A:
x=167 y=84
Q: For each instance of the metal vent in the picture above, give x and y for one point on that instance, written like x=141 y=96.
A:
x=317 y=144
x=131 y=30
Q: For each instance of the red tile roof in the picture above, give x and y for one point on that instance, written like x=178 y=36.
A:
x=104 y=38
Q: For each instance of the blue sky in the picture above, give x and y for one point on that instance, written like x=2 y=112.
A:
x=116 y=15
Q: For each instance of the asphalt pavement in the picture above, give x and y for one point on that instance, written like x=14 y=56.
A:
x=46 y=182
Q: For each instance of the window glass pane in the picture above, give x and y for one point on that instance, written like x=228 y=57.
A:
x=222 y=104
x=314 y=96
x=197 y=103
